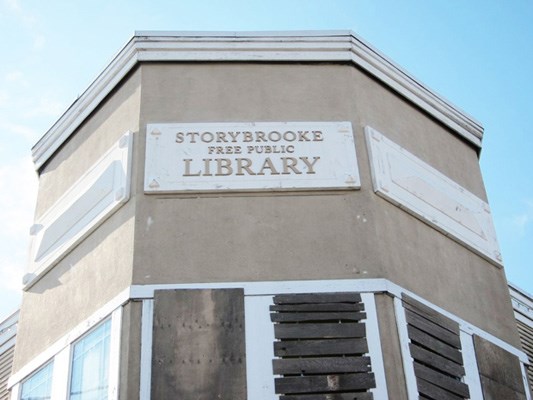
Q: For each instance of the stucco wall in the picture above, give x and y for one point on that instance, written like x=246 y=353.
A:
x=98 y=268
x=257 y=237
x=311 y=235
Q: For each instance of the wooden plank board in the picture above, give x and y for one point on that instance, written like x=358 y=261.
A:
x=435 y=345
x=330 y=396
x=198 y=344
x=433 y=329
x=496 y=390
x=429 y=313
x=320 y=347
x=436 y=361
x=340 y=297
x=434 y=392
x=320 y=365
x=317 y=316
x=319 y=330
x=318 y=307
x=498 y=364
x=324 y=383
x=450 y=384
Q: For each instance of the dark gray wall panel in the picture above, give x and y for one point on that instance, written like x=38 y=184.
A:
x=499 y=370
x=198 y=345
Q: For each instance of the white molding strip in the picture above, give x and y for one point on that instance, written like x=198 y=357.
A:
x=374 y=346
x=147 y=322
x=270 y=287
x=61 y=374
x=259 y=339
x=471 y=371
x=15 y=392
x=525 y=380
x=416 y=187
x=96 y=195
x=312 y=46
x=114 y=354
x=407 y=359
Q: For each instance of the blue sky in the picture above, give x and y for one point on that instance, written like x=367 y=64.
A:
x=476 y=54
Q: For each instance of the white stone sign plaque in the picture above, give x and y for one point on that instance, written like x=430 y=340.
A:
x=250 y=156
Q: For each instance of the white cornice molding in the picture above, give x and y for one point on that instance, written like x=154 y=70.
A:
x=305 y=46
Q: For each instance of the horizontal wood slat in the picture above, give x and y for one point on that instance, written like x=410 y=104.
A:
x=433 y=329
x=428 y=313
x=318 y=307
x=324 y=383
x=317 y=298
x=434 y=392
x=441 y=380
x=324 y=316
x=320 y=347
x=324 y=330
x=286 y=366
x=435 y=345
x=329 y=396
x=434 y=360
x=436 y=349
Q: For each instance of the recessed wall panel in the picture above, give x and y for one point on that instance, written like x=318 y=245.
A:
x=421 y=190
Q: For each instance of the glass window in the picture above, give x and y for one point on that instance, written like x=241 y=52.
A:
x=39 y=385
x=90 y=365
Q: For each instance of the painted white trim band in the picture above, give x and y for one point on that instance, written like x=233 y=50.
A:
x=313 y=46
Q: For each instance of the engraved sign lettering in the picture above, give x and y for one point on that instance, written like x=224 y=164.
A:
x=250 y=156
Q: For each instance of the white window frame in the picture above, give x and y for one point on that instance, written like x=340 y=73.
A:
x=62 y=359
x=51 y=361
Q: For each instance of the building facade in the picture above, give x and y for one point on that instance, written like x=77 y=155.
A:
x=263 y=216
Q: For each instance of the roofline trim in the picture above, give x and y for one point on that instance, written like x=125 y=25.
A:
x=304 y=46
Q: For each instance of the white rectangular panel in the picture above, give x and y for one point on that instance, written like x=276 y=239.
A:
x=85 y=205
x=250 y=156
x=420 y=189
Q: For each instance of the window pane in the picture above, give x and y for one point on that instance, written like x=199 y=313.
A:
x=39 y=385
x=90 y=365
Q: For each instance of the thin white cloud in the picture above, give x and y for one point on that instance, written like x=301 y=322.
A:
x=11 y=274
x=27 y=132
x=18 y=187
x=18 y=190
x=39 y=42
x=16 y=8
x=17 y=77
x=522 y=221
x=4 y=98
x=46 y=107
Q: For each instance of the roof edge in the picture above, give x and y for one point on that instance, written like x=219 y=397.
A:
x=286 y=46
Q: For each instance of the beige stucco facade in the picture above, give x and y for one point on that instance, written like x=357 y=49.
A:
x=256 y=237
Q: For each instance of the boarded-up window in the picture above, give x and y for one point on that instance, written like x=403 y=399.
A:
x=321 y=347
x=198 y=345
x=500 y=372
x=435 y=346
